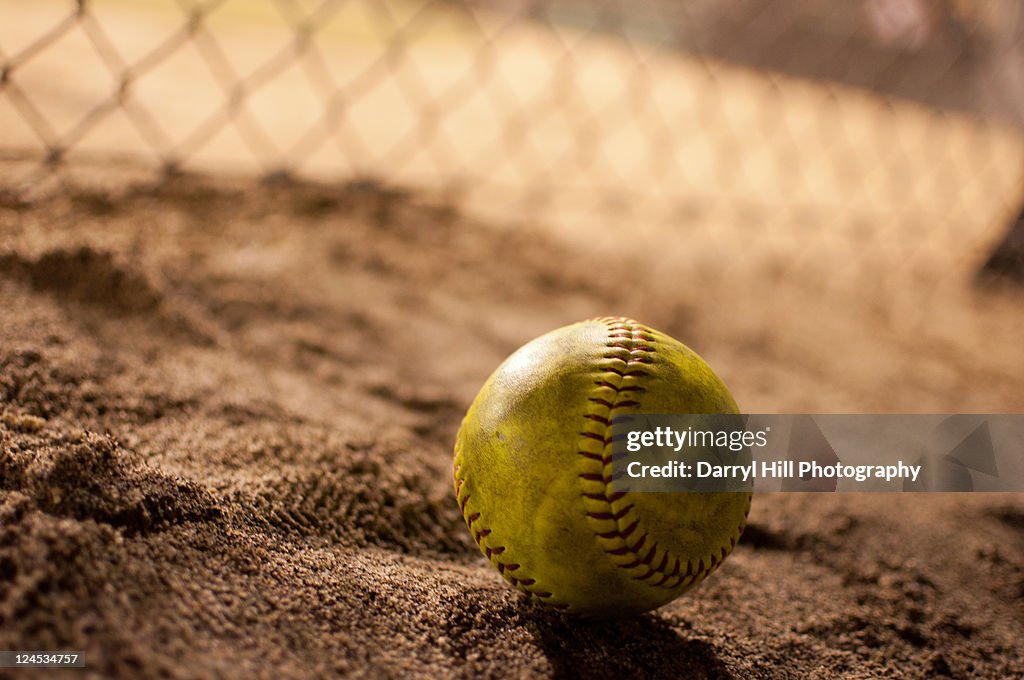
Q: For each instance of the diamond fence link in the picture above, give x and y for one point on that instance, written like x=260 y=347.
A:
x=886 y=128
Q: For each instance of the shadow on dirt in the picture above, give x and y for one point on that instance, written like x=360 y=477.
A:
x=640 y=647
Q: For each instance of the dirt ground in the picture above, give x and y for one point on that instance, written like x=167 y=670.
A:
x=228 y=411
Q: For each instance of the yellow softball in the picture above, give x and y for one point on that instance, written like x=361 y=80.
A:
x=532 y=471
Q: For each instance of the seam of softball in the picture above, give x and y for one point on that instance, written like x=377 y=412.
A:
x=611 y=515
x=510 y=571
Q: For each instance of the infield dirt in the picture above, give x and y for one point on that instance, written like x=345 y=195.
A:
x=228 y=411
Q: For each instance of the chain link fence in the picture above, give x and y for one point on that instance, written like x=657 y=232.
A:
x=894 y=123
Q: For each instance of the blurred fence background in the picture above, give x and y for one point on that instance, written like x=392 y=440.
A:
x=791 y=125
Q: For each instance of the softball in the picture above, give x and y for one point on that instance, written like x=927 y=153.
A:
x=532 y=472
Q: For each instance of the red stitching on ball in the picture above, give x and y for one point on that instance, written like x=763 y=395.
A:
x=632 y=345
x=611 y=515
x=593 y=456
x=491 y=552
x=639 y=544
x=646 y=575
x=605 y=497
